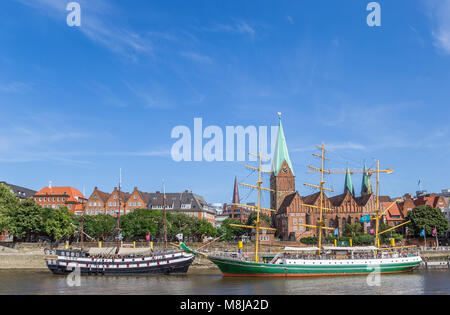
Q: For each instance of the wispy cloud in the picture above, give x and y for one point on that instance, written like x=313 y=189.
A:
x=439 y=13
x=14 y=87
x=237 y=27
x=99 y=24
x=196 y=57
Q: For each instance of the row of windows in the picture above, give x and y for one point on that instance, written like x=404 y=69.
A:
x=49 y=199
x=108 y=212
x=57 y=206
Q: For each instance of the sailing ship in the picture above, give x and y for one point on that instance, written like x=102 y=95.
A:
x=119 y=260
x=297 y=261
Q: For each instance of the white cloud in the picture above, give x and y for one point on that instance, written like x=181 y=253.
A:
x=196 y=57
x=99 y=24
x=14 y=87
x=439 y=13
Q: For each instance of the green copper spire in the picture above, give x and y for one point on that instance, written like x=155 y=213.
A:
x=281 y=152
x=348 y=183
x=365 y=189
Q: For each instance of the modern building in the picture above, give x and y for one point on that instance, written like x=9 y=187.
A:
x=218 y=207
x=21 y=192
x=57 y=197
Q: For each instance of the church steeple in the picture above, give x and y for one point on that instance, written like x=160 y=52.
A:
x=235 y=199
x=348 y=183
x=282 y=179
x=365 y=186
x=281 y=153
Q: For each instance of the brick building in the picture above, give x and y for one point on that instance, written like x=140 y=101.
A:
x=57 y=197
x=96 y=204
x=185 y=202
x=290 y=205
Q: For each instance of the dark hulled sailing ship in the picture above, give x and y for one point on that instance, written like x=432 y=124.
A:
x=118 y=260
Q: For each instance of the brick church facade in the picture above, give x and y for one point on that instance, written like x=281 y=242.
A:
x=290 y=205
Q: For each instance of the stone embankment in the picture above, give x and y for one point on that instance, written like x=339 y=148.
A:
x=30 y=256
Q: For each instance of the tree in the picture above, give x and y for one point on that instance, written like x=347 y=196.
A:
x=105 y=225
x=25 y=219
x=139 y=223
x=203 y=228
x=230 y=231
x=426 y=217
x=252 y=219
x=8 y=202
x=352 y=229
x=181 y=223
x=58 y=223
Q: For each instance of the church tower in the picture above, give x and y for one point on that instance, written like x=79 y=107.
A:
x=282 y=179
x=348 y=186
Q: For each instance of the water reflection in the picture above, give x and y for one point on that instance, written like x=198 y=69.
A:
x=41 y=282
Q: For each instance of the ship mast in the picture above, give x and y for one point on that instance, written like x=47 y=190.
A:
x=320 y=223
x=164 y=210
x=118 y=215
x=258 y=208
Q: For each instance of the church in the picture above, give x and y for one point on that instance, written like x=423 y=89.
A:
x=290 y=206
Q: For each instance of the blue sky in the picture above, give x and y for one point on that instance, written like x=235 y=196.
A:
x=77 y=104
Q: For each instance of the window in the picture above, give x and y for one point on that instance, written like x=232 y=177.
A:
x=45 y=198
x=90 y=203
x=135 y=197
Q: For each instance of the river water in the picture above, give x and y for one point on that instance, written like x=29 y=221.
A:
x=42 y=282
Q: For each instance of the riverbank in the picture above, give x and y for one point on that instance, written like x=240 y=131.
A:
x=32 y=258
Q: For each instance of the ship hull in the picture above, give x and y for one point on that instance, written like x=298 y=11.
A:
x=177 y=263
x=236 y=268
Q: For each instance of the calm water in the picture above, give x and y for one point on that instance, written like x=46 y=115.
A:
x=42 y=282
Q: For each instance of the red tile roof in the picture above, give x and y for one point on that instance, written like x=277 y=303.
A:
x=73 y=193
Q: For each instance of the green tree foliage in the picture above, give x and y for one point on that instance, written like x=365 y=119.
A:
x=252 y=219
x=9 y=202
x=228 y=231
x=352 y=229
x=426 y=217
x=25 y=219
x=141 y=222
x=181 y=223
x=58 y=223
x=203 y=228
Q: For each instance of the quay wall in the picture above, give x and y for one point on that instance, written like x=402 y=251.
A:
x=30 y=255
